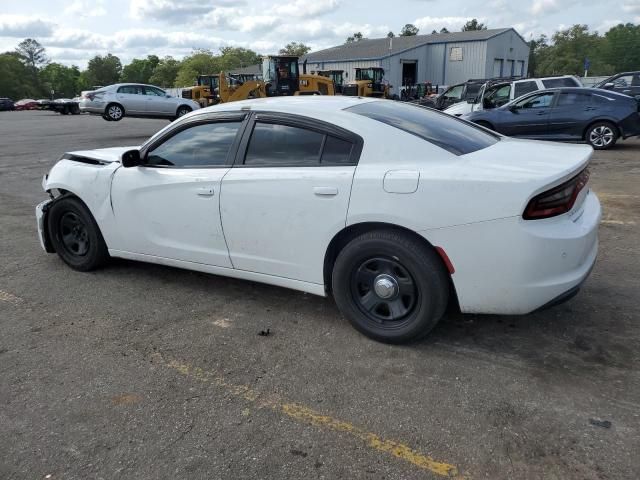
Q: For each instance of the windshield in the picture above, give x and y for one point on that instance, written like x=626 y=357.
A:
x=448 y=132
x=372 y=74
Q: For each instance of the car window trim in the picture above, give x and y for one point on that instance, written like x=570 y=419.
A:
x=299 y=121
x=226 y=117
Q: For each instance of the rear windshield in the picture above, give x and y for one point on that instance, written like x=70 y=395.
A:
x=560 y=82
x=445 y=131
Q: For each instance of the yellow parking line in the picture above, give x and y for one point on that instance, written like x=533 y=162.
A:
x=303 y=414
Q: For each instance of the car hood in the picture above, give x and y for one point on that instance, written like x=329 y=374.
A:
x=102 y=155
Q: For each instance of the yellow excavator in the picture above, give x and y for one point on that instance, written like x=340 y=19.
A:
x=368 y=83
x=203 y=91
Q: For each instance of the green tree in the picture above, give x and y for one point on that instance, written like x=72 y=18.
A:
x=537 y=51
x=200 y=62
x=295 y=49
x=61 y=79
x=568 y=50
x=473 y=24
x=165 y=72
x=444 y=30
x=356 y=37
x=621 y=47
x=409 y=30
x=32 y=53
x=140 y=69
x=16 y=81
x=103 y=70
x=235 y=57
x=391 y=35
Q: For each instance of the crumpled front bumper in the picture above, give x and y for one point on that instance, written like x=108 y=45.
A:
x=41 y=217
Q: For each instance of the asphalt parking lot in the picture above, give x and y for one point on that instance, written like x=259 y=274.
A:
x=144 y=372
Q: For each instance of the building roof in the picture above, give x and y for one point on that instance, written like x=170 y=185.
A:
x=377 y=48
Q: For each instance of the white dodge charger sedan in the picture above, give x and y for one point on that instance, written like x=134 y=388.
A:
x=394 y=209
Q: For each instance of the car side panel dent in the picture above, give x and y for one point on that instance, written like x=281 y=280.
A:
x=91 y=184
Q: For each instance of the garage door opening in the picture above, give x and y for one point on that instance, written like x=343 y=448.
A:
x=409 y=73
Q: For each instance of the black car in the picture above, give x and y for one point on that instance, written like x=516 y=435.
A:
x=598 y=117
x=6 y=104
x=627 y=83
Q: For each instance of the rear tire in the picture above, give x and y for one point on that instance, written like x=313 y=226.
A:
x=75 y=235
x=602 y=135
x=183 y=110
x=390 y=286
x=114 y=111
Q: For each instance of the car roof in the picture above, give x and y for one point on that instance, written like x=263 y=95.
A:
x=297 y=104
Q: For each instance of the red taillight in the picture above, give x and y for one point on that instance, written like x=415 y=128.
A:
x=558 y=200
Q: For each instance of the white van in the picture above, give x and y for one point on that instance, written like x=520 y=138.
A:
x=498 y=92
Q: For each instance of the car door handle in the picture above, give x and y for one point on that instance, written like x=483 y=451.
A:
x=325 y=191
x=205 y=191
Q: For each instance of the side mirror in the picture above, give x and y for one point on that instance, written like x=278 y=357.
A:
x=609 y=85
x=513 y=108
x=471 y=100
x=131 y=158
x=168 y=96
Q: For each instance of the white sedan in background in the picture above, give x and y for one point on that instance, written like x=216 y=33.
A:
x=121 y=100
x=392 y=208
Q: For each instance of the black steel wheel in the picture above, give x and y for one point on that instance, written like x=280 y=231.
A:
x=390 y=285
x=384 y=290
x=75 y=235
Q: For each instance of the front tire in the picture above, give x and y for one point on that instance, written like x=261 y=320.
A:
x=75 y=235
x=114 y=111
x=390 y=286
x=602 y=135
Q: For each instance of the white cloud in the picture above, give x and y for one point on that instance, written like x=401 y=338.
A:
x=304 y=8
x=85 y=8
x=541 y=7
x=453 y=24
x=23 y=26
x=175 y=11
x=606 y=25
x=631 y=7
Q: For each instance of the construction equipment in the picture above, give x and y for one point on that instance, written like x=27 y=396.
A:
x=236 y=90
x=282 y=76
x=337 y=76
x=368 y=83
x=203 y=91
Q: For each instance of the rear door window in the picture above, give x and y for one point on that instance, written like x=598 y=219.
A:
x=131 y=90
x=522 y=88
x=560 y=82
x=573 y=98
x=282 y=145
x=450 y=133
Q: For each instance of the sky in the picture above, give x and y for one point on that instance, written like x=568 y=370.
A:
x=73 y=31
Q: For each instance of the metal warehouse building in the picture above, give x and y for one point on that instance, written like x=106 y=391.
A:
x=442 y=59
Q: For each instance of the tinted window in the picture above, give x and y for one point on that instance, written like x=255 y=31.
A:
x=445 y=131
x=522 y=88
x=536 y=101
x=454 y=92
x=200 y=145
x=130 y=89
x=154 y=92
x=560 y=82
x=275 y=145
x=573 y=98
x=336 y=151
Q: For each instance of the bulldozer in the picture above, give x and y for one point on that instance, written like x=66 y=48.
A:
x=281 y=75
x=336 y=76
x=368 y=83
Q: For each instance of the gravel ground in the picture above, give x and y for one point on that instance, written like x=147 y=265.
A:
x=141 y=371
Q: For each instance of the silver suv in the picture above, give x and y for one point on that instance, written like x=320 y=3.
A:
x=134 y=100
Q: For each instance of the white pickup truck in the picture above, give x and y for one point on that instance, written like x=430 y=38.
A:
x=496 y=93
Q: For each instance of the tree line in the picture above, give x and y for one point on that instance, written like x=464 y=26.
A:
x=27 y=72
